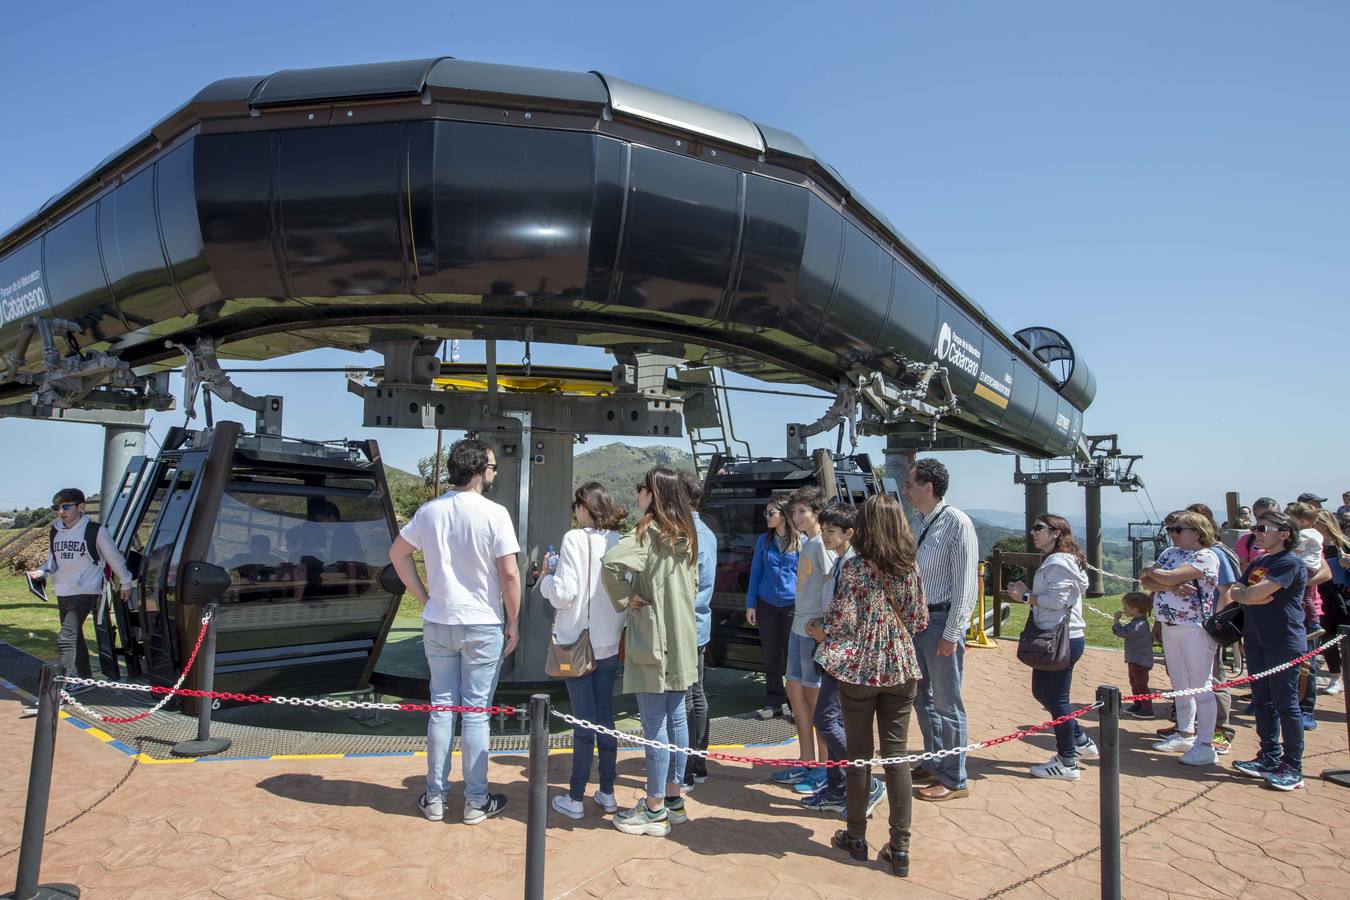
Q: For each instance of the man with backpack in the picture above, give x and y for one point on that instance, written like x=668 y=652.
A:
x=79 y=555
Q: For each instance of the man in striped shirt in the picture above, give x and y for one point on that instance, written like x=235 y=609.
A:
x=948 y=558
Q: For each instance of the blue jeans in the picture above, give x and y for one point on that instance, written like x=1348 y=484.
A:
x=941 y=714
x=829 y=722
x=1051 y=690
x=464 y=661
x=663 y=720
x=592 y=699
x=1275 y=703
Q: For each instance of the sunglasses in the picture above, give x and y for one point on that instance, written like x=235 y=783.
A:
x=1177 y=529
x=1041 y=526
x=1267 y=529
x=772 y=511
x=64 y=507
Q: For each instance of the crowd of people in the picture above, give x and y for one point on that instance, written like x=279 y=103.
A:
x=862 y=622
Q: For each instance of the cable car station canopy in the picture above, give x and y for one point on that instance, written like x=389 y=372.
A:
x=439 y=198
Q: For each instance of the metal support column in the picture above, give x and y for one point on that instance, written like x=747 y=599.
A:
x=1092 y=501
x=1038 y=504
x=120 y=444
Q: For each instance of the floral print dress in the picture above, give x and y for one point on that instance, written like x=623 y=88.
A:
x=865 y=641
x=1174 y=609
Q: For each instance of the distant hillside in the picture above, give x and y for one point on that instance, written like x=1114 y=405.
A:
x=619 y=467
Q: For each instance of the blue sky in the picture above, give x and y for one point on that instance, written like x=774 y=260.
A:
x=1165 y=183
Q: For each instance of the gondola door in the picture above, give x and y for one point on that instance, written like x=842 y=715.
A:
x=112 y=624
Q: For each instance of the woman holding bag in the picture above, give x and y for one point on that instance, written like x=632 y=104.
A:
x=1056 y=594
x=586 y=630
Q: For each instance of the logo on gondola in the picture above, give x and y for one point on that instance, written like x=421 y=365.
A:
x=954 y=349
x=22 y=297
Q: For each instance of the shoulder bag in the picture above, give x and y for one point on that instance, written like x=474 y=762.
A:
x=1225 y=626
x=1045 y=649
x=577 y=658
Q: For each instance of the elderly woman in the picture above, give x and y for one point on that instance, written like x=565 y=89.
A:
x=1186 y=581
x=1271 y=591
x=1057 y=591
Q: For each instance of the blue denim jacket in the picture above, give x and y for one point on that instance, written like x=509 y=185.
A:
x=707 y=572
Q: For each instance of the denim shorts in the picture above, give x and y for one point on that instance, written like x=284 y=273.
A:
x=801 y=665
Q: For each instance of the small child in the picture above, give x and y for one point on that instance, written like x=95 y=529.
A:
x=1138 y=647
x=1309 y=551
x=836 y=531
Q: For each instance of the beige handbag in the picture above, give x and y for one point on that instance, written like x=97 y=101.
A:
x=577 y=658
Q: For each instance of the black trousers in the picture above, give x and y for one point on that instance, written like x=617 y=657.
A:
x=775 y=624
x=889 y=708
x=73 y=610
x=1333 y=617
x=696 y=711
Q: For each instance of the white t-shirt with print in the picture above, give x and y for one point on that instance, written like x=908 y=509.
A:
x=1309 y=548
x=1178 y=610
x=462 y=534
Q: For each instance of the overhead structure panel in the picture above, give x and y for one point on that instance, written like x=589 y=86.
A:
x=445 y=198
x=643 y=103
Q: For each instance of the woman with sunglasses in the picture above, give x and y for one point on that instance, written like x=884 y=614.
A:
x=653 y=574
x=574 y=587
x=1057 y=591
x=771 y=600
x=1185 y=580
x=1271 y=592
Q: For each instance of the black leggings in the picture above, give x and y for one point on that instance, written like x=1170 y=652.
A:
x=775 y=624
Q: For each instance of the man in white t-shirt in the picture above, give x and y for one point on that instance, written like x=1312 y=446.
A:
x=469 y=545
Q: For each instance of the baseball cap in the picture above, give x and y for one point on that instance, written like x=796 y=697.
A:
x=1310 y=497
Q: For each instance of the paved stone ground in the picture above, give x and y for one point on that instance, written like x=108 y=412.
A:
x=317 y=827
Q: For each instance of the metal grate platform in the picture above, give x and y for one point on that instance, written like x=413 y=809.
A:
x=155 y=735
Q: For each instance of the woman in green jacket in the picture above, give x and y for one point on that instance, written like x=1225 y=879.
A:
x=653 y=574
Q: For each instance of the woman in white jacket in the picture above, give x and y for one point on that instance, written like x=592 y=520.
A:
x=1056 y=592
x=574 y=588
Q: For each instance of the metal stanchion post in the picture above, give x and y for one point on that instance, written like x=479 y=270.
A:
x=536 y=825
x=1342 y=776
x=26 y=885
x=1109 y=774
x=205 y=745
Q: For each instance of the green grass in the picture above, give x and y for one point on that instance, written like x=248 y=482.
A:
x=28 y=623
x=1098 y=628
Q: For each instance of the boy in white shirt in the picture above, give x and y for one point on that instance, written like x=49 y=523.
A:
x=78 y=551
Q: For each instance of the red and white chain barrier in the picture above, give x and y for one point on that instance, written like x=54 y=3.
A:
x=115 y=720
x=179 y=691
x=937 y=754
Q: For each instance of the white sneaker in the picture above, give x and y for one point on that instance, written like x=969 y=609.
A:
x=564 y=804
x=1055 y=768
x=608 y=802
x=1175 y=744
x=1200 y=755
x=1088 y=750
x=765 y=712
x=1336 y=686
x=29 y=710
x=432 y=807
